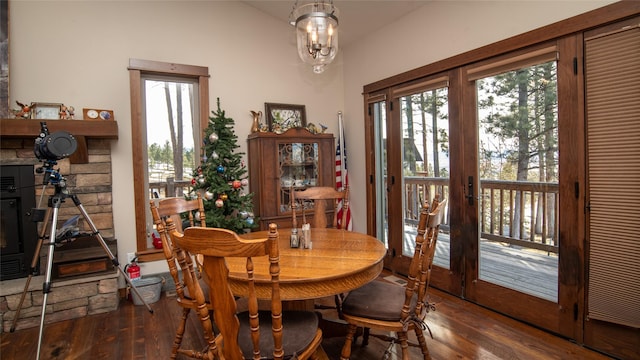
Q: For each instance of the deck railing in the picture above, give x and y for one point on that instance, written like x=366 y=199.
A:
x=169 y=188
x=514 y=212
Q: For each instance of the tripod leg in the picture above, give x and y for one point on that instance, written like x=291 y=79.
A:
x=46 y=286
x=114 y=260
x=34 y=263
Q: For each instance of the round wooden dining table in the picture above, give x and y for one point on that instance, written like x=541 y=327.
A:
x=338 y=261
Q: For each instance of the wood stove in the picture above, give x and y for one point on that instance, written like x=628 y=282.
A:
x=18 y=234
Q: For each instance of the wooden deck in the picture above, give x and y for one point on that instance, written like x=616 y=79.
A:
x=534 y=272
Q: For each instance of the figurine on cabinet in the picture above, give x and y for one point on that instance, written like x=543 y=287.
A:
x=255 y=127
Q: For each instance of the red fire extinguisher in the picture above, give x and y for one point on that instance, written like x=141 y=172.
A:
x=133 y=270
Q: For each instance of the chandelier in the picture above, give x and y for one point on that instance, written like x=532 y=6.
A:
x=317 y=32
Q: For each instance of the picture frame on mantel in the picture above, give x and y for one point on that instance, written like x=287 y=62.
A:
x=282 y=117
x=97 y=114
x=46 y=111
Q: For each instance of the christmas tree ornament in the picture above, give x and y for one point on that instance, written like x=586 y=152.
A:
x=250 y=221
x=244 y=182
x=220 y=169
x=224 y=197
x=244 y=214
x=219 y=203
x=215 y=156
x=202 y=180
x=193 y=181
x=213 y=137
x=208 y=195
x=197 y=216
x=204 y=158
x=236 y=184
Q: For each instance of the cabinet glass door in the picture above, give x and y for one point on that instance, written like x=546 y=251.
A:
x=298 y=170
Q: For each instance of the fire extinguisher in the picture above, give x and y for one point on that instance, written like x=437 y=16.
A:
x=133 y=270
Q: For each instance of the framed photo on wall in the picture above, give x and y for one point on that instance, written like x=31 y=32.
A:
x=282 y=117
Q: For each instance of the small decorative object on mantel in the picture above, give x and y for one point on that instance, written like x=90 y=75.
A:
x=255 y=127
x=282 y=117
x=24 y=112
x=97 y=114
x=48 y=111
x=67 y=112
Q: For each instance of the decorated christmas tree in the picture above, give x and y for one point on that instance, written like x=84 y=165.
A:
x=222 y=177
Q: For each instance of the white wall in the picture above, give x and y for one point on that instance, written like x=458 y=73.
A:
x=77 y=52
x=436 y=31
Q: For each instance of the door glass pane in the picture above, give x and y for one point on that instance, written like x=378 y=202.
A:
x=172 y=137
x=518 y=171
x=380 y=136
x=425 y=154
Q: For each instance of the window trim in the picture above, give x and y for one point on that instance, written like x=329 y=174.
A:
x=137 y=68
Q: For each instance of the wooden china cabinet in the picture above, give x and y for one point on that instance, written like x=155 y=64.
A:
x=296 y=159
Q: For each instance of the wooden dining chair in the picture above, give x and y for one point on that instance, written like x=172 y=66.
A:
x=320 y=195
x=181 y=264
x=251 y=334
x=389 y=307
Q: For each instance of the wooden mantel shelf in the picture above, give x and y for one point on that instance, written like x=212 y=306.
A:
x=80 y=129
x=94 y=129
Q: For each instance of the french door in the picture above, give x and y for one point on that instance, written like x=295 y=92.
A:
x=488 y=139
x=512 y=186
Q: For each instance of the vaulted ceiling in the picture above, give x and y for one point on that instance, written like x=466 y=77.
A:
x=357 y=17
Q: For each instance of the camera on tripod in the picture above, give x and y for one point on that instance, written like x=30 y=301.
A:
x=49 y=148
x=53 y=147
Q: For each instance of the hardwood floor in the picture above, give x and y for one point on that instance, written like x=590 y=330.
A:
x=461 y=330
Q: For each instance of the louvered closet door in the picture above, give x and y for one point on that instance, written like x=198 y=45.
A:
x=612 y=73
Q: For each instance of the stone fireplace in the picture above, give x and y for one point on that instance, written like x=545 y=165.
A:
x=84 y=280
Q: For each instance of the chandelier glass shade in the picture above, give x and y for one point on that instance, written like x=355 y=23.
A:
x=316 y=26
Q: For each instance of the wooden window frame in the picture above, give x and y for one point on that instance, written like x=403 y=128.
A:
x=137 y=68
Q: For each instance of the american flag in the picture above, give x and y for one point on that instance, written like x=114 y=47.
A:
x=340 y=169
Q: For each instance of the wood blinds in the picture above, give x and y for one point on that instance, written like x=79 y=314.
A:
x=612 y=73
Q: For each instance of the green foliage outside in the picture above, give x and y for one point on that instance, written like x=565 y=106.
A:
x=164 y=155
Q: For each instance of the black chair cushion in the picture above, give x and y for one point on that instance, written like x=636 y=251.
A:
x=377 y=300
x=299 y=329
x=203 y=286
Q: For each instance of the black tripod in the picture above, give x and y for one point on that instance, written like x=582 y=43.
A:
x=61 y=193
